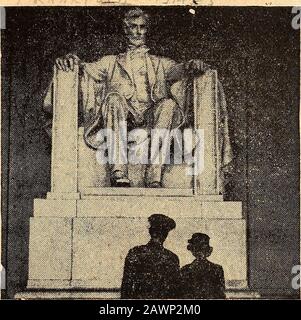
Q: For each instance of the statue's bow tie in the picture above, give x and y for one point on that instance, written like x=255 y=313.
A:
x=132 y=50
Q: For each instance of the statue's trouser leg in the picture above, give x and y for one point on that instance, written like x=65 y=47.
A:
x=163 y=117
x=115 y=117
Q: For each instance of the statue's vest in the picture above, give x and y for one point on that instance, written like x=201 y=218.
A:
x=120 y=77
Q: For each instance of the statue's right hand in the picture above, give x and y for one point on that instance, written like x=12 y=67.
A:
x=67 y=63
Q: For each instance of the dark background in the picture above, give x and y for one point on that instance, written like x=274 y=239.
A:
x=256 y=53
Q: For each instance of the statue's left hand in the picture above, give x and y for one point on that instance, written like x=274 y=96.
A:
x=196 y=67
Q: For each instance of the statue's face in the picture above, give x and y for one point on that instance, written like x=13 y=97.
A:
x=136 y=31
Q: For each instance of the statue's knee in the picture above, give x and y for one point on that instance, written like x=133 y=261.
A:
x=114 y=98
x=169 y=103
x=166 y=107
x=114 y=102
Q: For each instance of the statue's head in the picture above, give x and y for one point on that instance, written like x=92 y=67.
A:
x=135 y=24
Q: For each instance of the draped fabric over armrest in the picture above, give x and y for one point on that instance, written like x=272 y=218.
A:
x=205 y=98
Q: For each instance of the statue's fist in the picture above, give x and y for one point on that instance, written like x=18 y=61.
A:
x=67 y=63
x=196 y=67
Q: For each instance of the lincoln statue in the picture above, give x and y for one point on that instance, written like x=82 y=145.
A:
x=133 y=87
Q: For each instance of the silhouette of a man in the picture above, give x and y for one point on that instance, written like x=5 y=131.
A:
x=202 y=279
x=151 y=271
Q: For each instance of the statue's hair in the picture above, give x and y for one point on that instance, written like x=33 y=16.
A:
x=135 y=13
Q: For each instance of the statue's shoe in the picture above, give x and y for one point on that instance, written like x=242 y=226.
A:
x=120 y=180
x=121 y=183
x=154 y=184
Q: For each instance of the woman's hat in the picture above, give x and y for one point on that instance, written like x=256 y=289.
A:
x=199 y=240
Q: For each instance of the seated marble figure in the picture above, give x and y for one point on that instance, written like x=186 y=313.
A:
x=136 y=88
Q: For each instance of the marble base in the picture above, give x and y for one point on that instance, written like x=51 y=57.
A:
x=86 y=248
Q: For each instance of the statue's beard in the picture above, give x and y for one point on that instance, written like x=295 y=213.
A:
x=136 y=41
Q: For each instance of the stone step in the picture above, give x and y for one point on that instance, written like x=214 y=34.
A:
x=100 y=295
x=89 y=192
x=138 y=206
x=134 y=206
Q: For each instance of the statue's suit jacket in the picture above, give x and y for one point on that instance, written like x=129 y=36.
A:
x=112 y=74
x=115 y=73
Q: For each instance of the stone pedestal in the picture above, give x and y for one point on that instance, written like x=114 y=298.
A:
x=83 y=243
x=81 y=233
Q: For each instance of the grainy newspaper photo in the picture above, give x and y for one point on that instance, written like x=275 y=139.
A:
x=150 y=152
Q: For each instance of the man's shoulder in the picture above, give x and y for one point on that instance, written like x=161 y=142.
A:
x=171 y=255
x=186 y=268
x=216 y=267
x=137 y=250
x=213 y=267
